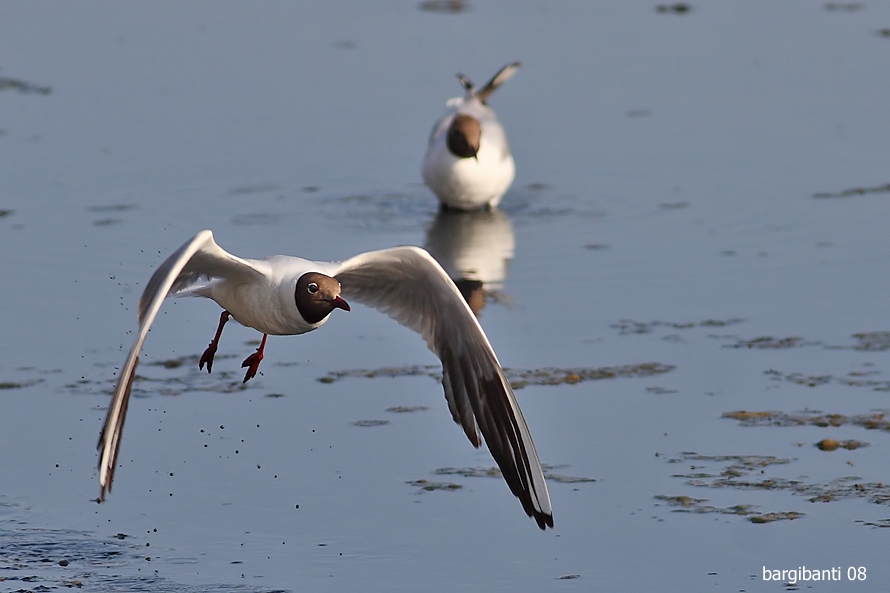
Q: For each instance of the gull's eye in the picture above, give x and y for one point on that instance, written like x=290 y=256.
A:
x=312 y=288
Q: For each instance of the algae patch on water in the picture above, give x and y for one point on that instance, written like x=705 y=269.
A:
x=873 y=421
x=368 y=423
x=22 y=86
x=494 y=472
x=771 y=517
x=487 y=472
x=747 y=472
x=19 y=384
x=452 y=6
x=427 y=486
x=876 y=341
x=834 y=445
x=853 y=379
x=854 y=191
x=628 y=327
x=770 y=343
x=407 y=409
x=688 y=504
x=518 y=378
x=179 y=377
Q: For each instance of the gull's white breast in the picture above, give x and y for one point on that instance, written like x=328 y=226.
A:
x=269 y=306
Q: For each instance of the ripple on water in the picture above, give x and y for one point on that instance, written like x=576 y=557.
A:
x=48 y=559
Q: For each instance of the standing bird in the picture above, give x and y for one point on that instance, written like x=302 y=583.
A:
x=284 y=295
x=468 y=164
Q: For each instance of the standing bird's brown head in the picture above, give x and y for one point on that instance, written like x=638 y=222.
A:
x=464 y=136
x=317 y=295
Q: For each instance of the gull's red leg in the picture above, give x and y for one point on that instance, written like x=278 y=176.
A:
x=207 y=357
x=252 y=362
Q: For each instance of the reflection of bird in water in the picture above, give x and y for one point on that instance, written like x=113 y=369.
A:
x=475 y=249
x=468 y=164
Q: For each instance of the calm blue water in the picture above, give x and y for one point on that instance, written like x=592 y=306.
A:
x=663 y=212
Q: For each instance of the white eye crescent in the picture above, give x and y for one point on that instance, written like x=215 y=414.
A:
x=312 y=288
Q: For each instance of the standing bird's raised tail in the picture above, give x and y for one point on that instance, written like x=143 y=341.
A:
x=502 y=76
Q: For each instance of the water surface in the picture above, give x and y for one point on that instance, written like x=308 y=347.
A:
x=697 y=227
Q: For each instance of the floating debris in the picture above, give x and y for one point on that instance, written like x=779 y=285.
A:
x=856 y=191
x=427 y=486
x=770 y=343
x=255 y=189
x=13 y=84
x=681 y=501
x=833 y=445
x=391 y=372
x=872 y=341
x=407 y=409
x=627 y=327
x=660 y=390
x=107 y=221
x=678 y=8
x=494 y=472
x=555 y=376
x=175 y=363
x=19 y=384
x=172 y=384
x=740 y=463
x=771 y=517
x=737 y=475
x=843 y=6
x=878 y=523
x=469 y=472
x=518 y=377
x=753 y=418
x=366 y=423
x=112 y=208
x=452 y=6
x=852 y=380
x=563 y=479
x=875 y=420
x=688 y=504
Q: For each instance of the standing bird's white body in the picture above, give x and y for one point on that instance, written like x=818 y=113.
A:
x=284 y=295
x=468 y=164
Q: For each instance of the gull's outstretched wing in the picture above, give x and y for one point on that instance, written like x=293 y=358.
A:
x=407 y=284
x=199 y=257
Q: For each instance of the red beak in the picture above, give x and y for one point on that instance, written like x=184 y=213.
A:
x=339 y=303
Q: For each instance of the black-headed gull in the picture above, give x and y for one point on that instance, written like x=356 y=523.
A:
x=468 y=163
x=284 y=295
